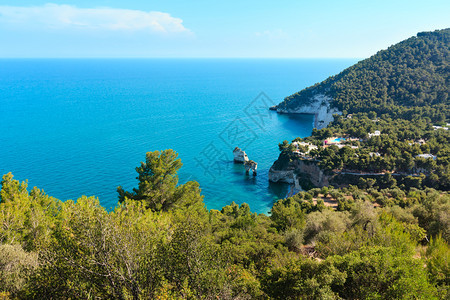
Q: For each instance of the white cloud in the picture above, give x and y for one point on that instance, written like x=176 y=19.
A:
x=56 y=16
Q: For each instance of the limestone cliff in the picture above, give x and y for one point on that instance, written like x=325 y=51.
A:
x=318 y=105
x=292 y=169
x=309 y=171
x=286 y=176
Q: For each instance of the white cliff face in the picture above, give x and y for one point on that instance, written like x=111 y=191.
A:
x=239 y=155
x=309 y=168
x=281 y=176
x=319 y=106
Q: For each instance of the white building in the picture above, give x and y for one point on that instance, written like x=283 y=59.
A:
x=303 y=144
x=376 y=133
x=427 y=155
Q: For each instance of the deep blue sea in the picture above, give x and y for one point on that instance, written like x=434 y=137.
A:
x=80 y=126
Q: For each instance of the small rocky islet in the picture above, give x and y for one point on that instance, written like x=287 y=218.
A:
x=241 y=157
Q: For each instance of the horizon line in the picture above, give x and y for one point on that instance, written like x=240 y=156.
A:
x=186 y=57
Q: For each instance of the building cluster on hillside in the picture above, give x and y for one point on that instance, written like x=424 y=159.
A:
x=339 y=142
x=418 y=142
x=376 y=133
x=308 y=146
x=374 y=154
x=442 y=127
x=427 y=155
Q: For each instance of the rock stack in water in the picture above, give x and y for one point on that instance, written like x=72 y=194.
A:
x=250 y=165
x=239 y=155
x=242 y=158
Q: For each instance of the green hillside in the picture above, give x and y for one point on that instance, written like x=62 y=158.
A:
x=402 y=94
x=408 y=80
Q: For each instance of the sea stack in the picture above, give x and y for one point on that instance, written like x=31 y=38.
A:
x=250 y=165
x=239 y=155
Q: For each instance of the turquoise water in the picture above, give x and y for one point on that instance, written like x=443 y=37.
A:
x=80 y=127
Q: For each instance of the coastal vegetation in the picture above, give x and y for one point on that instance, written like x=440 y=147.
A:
x=394 y=118
x=417 y=154
x=172 y=247
x=380 y=233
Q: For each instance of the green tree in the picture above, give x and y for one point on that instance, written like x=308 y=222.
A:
x=27 y=218
x=287 y=214
x=158 y=181
x=303 y=279
x=380 y=273
x=16 y=266
x=96 y=254
x=437 y=257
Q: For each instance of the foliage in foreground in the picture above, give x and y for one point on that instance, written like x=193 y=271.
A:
x=146 y=249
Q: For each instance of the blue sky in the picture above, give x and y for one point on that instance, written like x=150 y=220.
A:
x=200 y=28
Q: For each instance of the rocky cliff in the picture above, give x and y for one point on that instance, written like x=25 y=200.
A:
x=310 y=171
x=318 y=105
x=307 y=172
x=286 y=176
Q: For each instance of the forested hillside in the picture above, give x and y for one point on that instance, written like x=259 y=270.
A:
x=409 y=80
x=162 y=243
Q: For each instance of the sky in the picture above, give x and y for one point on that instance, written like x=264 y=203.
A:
x=211 y=28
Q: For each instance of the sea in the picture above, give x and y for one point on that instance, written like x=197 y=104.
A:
x=76 y=127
